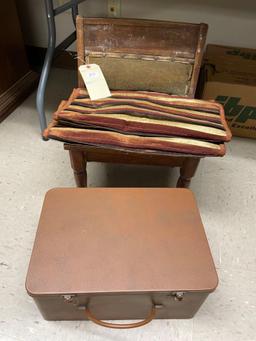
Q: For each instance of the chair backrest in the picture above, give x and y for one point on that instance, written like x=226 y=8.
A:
x=137 y=54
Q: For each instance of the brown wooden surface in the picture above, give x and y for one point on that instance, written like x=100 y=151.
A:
x=198 y=60
x=16 y=79
x=187 y=171
x=144 y=39
x=151 y=37
x=16 y=93
x=80 y=48
x=78 y=163
x=97 y=154
x=13 y=62
x=81 y=154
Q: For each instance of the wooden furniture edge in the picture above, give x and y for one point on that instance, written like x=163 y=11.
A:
x=16 y=94
x=198 y=59
x=80 y=155
x=80 y=48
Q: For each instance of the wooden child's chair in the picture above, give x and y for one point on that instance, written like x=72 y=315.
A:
x=138 y=54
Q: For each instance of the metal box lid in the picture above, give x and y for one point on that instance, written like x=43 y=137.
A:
x=108 y=240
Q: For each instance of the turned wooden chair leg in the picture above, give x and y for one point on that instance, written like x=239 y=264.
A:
x=187 y=171
x=78 y=163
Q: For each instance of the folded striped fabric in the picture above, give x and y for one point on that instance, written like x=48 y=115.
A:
x=142 y=120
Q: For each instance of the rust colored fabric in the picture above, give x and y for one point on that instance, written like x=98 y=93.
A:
x=142 y=120
x=108 y=138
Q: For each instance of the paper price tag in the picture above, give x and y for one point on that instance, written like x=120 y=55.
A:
x=94 y=81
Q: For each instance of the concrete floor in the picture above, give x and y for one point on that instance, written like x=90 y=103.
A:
x=226 y=192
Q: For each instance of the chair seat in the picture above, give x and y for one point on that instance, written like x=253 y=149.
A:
x=142 y=120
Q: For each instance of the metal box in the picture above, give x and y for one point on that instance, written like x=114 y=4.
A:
x=120 y=253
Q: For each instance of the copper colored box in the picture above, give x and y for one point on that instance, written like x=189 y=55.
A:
x=120 y=253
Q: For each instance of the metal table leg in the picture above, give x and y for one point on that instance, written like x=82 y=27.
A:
x=47 y=64
x=52 y=50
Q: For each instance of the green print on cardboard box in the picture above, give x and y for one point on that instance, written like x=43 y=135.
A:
x=242 y=53
x=233 y=109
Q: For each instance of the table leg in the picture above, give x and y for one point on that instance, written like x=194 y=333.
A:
x=187 y=171
x=47 y=64
x=78 y=163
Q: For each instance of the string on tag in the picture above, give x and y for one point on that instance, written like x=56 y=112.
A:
x=84 y=61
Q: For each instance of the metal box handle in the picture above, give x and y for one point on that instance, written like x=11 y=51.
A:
x=123 y=325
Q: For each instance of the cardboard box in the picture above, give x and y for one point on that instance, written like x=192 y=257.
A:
x=229 y=77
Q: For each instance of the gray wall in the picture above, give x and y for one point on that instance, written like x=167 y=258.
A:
x=231 y=22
